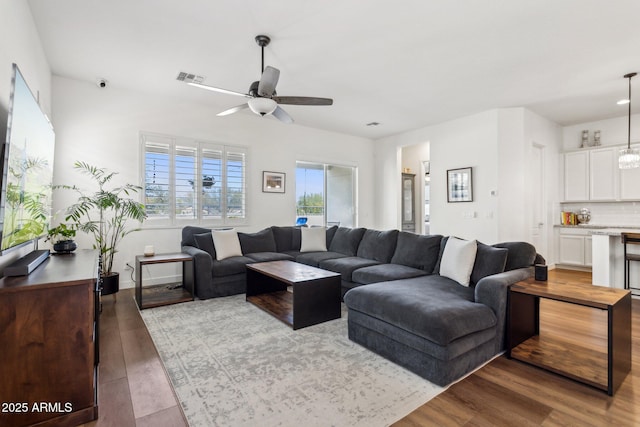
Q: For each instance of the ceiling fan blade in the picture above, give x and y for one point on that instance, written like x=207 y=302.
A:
x=302 y=100
x=217 y=89
x=282 y=115
x=233 y=110
x=268 y=81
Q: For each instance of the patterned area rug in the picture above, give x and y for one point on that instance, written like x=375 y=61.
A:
x=232 y=364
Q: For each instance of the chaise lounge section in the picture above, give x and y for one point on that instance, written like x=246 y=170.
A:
x=434 y=326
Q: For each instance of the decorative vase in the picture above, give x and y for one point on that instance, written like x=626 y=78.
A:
x=110 y=283
x=65 y=246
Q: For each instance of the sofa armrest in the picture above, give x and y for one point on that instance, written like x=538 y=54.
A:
x=202 y=265
x=492 y=291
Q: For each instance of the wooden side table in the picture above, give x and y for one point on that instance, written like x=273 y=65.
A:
x=164 y=294
x=605 y=369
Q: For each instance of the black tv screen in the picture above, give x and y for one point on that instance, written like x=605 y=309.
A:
x=27 y=168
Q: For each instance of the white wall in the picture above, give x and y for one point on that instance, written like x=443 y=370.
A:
x=468 y=141
x=101 y=127
x=495 y=144
x=547 y=134
x=20 y=44
x=612 y=131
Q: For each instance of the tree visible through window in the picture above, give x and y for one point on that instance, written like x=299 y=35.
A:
x=193 y=181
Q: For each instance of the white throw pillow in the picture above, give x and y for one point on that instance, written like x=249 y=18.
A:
x=313 y=239
x=226 y=243
x=458 y=259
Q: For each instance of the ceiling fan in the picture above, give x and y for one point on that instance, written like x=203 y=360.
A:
x=263 y=99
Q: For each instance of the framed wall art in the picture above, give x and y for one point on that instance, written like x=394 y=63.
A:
x=273 y=182
x=459 y=185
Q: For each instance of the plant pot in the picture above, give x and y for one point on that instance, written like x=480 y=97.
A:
x=65 y=246
x=110 y=283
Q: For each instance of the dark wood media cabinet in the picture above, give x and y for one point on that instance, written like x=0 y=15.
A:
x=49 y=322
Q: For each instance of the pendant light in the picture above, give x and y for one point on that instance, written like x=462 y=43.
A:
x=629 y=158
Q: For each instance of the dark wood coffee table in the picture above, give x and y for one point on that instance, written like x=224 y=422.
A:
x=314 y=297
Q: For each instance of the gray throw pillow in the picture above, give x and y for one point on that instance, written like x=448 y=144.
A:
x=204 y=241
x=262 y=241
x=489 y=261
x=417 y=251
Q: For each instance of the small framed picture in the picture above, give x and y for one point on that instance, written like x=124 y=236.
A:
x=459 y=185
x=273 y=182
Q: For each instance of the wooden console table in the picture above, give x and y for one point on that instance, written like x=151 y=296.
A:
x=49 y=324
x=604 y=369
x=164 y=294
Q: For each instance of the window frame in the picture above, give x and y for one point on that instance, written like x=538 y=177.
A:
x=199 y=146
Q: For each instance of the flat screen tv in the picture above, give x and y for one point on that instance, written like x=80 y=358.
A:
x=27 y=169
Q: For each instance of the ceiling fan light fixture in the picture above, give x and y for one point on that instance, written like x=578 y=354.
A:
x=629 y=158
x=262 y=106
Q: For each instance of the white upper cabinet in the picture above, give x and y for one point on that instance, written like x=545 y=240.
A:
x=603 y=174
x=576 y=176
x=593 y=174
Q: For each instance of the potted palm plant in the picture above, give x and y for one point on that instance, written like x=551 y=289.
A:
x=104 y=214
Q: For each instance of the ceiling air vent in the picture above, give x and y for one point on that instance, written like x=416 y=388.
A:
x=189 y=78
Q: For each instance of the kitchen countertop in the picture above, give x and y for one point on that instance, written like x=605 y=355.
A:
x=602 y=227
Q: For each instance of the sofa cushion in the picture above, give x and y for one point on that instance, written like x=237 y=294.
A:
x=417 y=251
x=284 y=238
x=346 y=266
x=226 y=243
x=385 y=273
x=204 y=241
x=331 y=232
x=521 y=254
x=489 y=261
x=230 y=266
x=378 y=245
x=432 y=307
x=458 y=259
x=346 y=240
x=189 y=231
x=269 y=256
x=313 y=239
x=261 y=241
x=315 y=258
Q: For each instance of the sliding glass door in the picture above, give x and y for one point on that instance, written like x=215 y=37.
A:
x=325 y=194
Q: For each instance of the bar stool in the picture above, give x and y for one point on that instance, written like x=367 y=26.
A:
x=629 y=239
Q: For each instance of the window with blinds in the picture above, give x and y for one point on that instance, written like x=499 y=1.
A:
x=193 y=182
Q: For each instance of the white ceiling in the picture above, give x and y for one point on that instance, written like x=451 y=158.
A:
x=405 y=63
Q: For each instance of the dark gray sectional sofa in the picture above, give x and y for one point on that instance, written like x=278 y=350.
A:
x=407 y=312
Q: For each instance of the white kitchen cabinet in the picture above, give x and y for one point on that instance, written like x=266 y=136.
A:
x=630 y=182
x=576 y=176
x=603 y=174
x=593 y=175
x=575 y=247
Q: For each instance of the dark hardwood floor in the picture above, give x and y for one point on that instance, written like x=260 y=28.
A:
x=135 y=391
